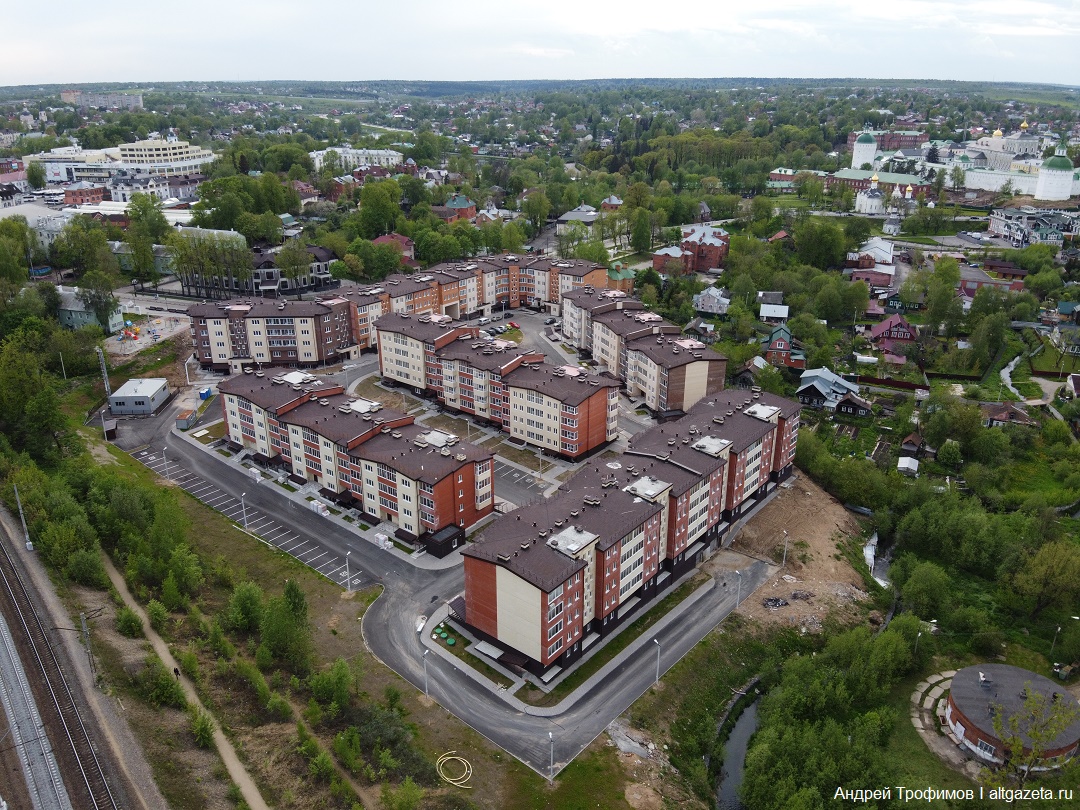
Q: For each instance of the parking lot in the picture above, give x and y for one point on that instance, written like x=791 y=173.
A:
x=516 y=486
x=254 y=521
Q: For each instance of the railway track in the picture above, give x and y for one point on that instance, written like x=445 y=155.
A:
x=86 y=782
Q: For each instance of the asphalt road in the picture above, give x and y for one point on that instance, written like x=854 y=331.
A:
x=390 y=624
x=516 y=486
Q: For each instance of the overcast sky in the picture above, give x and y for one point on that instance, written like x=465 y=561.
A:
x=346 y=40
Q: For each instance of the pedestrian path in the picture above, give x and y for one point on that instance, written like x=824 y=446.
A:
x=237 y=772
x=928 y=703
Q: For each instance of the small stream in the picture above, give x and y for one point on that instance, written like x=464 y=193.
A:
x=727 y=792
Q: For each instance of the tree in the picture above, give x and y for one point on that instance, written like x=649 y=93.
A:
x=933 y=155
x=926 y=591
x=294 y=262
x=380 y=204
x=96 y=293
x=35 y=174
x=536 y=207
x=949 y=454
x=144 y=213
x=957 y=178
x=1028 y=733
x=641 y=231
x=1049 y=578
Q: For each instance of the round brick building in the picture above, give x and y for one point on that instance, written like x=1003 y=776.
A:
x=978 y=692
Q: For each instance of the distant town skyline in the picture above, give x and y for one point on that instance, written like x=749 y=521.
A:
x=123 y=41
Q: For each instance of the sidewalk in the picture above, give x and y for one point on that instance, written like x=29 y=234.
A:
x=418 y=559
x=506 y=694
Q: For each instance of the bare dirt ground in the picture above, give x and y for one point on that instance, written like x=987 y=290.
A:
x=824 y=581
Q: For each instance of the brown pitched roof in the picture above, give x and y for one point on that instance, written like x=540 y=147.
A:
x=426 y=464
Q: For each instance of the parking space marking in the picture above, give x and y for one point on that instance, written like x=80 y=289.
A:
x=294 y=548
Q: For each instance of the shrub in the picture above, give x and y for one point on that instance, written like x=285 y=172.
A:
x=189 y=663
x=202 y=727
x=128 y=623
x=332 y=685
x=322 y=767
x=158 y=615
x=249 y=673
x=222 y=647
x=159 y=686
x=245 y=609
x=279 y=707
x=85 y=567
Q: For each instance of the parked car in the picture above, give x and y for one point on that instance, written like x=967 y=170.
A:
x=483 y=321
x=513 y=325
x=550 y=321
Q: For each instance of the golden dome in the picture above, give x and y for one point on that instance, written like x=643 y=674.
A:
x=873 y=179
x=909 y=187
x=998 y=133
x=1024 y=125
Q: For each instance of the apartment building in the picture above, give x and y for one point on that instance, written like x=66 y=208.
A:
x=672 y=373
x=470 y=376
x=349 y=158
x=361 y=454
x=548 y=580
x=407 y=345
x=580 y=306
x=561 y=409
x=229 y=335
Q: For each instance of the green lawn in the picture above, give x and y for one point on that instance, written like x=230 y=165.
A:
x=913 y=762
x=616 y=645
x=594 y=779
x=1049 y=360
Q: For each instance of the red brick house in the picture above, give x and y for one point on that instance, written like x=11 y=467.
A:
x=780 y=350
x=408 y=247
x=83 y=193
x=703 y=247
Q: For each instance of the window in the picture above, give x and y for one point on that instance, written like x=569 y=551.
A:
x=555 y=629
x=986 y=748
x=554 y=648
x=554 y=611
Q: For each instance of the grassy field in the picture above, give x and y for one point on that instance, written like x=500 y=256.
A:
x=914 y=763
x=1049 y=360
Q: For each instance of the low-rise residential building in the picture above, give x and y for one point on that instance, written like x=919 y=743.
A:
x=230 y=335
x=74 y=313
x=548 y=580
x=560 y=409
x=780 y=348
x=361 y=454
x=672 y=373
x=822 y=388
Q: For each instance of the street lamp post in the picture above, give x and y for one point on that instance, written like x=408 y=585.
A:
x=1054 y=643
x=738 y=594
x=657 y=681
x=784 y=563
x=917 y=637
x=165 y=460
x=551 y=766
x=243 y=508
x=425 y=671
x=348 y=583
